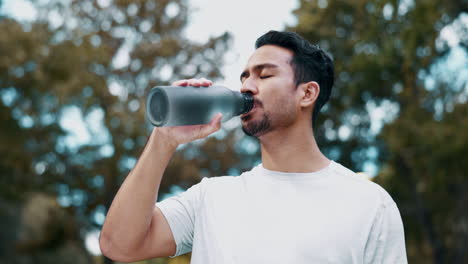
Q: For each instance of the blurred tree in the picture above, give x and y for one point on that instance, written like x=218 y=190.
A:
x=46 y=233
x=96 y=59
x=397 y=105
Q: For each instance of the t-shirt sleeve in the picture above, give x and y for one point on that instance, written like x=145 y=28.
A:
x=386 y=243
x=180 y=212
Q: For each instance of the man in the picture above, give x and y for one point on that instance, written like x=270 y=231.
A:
x=295 y=207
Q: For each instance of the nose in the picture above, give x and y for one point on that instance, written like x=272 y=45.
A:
x=249 y=86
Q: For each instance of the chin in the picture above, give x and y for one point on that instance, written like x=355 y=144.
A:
x=257 y=127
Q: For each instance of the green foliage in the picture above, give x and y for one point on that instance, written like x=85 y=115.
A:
x=389 y=54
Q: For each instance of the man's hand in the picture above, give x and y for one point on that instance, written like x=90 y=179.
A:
x=184 y=134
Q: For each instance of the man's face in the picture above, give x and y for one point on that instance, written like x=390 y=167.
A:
x=269 y=76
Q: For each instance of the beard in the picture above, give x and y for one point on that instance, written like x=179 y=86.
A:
x=257 y=128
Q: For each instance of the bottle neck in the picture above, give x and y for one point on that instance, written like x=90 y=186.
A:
x=248 y=102
x=243 y=103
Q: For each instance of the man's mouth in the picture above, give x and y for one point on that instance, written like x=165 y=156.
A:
x=247 y=115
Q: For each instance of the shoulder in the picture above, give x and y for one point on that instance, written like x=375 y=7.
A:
x=227 y=180
x=219 y=180
x=358 y=185
x=227 y=186
x=219 y=183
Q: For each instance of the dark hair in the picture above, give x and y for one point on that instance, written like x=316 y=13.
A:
x=310 y=63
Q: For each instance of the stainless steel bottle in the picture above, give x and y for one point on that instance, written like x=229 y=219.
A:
x=189 y=105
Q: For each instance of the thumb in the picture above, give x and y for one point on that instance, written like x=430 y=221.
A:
x=213 y=126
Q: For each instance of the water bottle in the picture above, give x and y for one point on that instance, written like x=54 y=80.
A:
x=188 y=105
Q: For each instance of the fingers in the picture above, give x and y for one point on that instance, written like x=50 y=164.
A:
x=180 y=83
x=205 y=82
x=193 y=82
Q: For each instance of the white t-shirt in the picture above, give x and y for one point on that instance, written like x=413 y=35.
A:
x=262 y=216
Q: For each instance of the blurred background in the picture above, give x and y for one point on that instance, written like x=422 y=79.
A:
x=74 y=75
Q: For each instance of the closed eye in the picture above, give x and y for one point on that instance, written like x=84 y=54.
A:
x=265 y=77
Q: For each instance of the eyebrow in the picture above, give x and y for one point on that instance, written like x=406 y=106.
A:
x=258 y=67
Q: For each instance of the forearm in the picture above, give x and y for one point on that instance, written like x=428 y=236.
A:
x=129 y=217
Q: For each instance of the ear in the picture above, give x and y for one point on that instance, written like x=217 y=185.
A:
x=309 y=93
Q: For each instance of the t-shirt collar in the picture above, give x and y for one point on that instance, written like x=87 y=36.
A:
x=294 y=175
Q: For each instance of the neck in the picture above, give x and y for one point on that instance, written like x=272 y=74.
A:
x=292 y=149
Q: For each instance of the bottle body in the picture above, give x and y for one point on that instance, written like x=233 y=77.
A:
x=188 y=105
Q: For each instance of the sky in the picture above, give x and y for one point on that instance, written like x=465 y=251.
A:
x=246 y=20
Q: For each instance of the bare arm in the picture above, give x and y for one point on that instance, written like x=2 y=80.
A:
x=135 y=228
